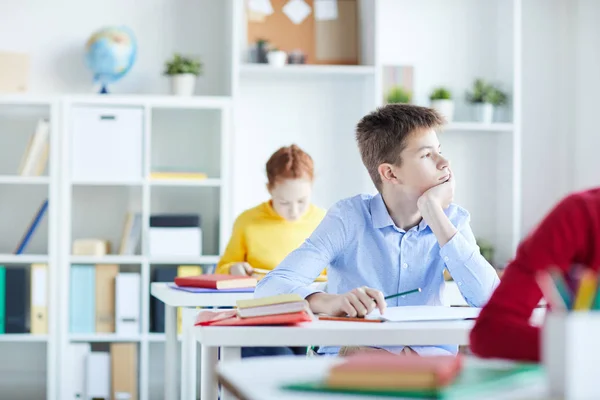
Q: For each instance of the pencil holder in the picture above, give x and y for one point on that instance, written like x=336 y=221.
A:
x=570 y=354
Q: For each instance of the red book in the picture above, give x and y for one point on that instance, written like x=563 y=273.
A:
x=387 y=370
x=216 y=281
x=230 y=318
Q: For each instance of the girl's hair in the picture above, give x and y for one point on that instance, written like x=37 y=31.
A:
x=289 y=162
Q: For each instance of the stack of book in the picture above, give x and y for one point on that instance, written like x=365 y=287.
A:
x=287 y=309
x=215 y=281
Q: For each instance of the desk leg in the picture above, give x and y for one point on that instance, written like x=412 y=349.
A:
x=170 y=353
x=208 y=375
x=188 y=355
x=229 y=354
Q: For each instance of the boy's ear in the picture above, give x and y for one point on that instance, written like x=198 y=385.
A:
x=386 y=171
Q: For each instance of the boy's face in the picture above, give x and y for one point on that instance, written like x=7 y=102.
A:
x=422 y=165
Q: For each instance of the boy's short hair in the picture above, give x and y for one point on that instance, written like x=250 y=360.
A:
x=381 y=135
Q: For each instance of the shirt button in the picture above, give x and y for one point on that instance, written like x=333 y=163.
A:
x=446 y=258
x=459 y=283
x=403 y=296
x=405 y=265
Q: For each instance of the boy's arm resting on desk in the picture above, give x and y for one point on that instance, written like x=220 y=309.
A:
x=302 y=266
x=236 y=249
x=503 y=327
x=476 y=278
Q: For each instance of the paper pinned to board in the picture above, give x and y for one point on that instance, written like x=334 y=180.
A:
x=425 y=313
x=297 y=11
x=260 y=7
x=326 y=10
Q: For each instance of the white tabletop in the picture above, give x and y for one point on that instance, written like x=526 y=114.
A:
x=261 y=378
x=336 y=333
x=180 y=298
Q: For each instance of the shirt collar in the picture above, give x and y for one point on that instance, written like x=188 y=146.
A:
x=381 y=217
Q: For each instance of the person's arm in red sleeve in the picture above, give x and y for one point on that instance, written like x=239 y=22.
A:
x=502 y=329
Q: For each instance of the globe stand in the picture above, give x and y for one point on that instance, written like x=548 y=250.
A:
x=103 y=89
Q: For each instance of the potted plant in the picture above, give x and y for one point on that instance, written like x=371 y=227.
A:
x=183 y=72
x=276 y=57
x=441 y=101
x=398 y=94
x=484 y=110
x=496 y=98
x=261 y=51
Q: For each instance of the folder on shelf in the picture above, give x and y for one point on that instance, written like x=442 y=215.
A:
x=74 y=378
x=39 y=298
x=132 y=231
x=2 y=298
x=82 y=299
x=124 y=370
x=97 y=375
x=127 y=289
x=105 y=297
x=16 y=300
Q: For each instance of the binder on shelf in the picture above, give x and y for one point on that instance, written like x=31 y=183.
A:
x=39 y=298
x=124 y=370
x=82 y=299
x=127 y=292
x=183 y=271
x=16 y=300
x=3 y=299
x=105 y=297
x=35 y=157
x=97 y=375
x=74 y=379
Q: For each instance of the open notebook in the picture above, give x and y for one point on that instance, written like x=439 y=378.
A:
x=425 y=313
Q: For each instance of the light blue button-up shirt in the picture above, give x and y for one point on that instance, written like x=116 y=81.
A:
x=360 y=245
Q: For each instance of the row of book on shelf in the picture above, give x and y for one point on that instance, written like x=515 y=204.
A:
x=109 y=374
x=24 y=299
x=105 y=300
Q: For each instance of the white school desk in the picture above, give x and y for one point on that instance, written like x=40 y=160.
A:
x=261 y=378
x=178 y=298
x=323 y=333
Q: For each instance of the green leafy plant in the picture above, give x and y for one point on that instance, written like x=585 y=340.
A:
x=398 y=94
x=484 y=92
x=496 y=97
x=440 y=93
x=479 y=92
x=183 y=65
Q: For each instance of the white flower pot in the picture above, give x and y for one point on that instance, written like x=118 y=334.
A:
x=277 y=58
x=484 y=113
x=445 y=108
x=183 y=84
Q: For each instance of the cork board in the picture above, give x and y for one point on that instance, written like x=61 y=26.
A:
x=323 y=42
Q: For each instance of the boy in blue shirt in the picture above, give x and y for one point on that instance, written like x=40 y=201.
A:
x=400 y=239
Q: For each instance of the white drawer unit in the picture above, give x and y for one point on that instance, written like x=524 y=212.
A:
x=107 y=144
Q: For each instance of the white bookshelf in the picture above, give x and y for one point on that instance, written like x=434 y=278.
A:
x=192 y=132
x=21 y=198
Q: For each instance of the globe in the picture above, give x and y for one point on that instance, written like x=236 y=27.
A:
x=110 y=54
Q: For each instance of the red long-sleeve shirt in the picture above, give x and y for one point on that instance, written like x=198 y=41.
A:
x=568 y=235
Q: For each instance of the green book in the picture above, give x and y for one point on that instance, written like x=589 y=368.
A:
x=2 y=298
x=474 y=380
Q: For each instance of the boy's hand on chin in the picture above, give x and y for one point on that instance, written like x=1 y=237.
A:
x=441 y=195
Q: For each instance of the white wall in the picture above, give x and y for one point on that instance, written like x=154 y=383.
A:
x=587 y=83
x=54 y=33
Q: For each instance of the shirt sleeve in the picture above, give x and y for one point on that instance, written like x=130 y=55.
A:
x=236 y=250
x=301 y=267
x=475 y=277
x=503 y=328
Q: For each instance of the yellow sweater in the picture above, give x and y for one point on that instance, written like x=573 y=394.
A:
x=263 y=238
